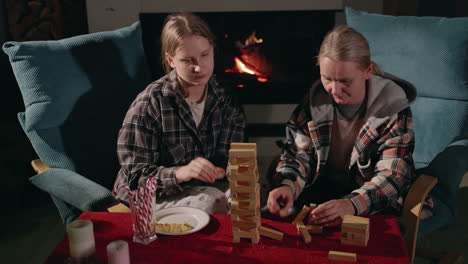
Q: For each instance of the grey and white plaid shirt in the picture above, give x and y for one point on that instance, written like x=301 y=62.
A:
x=159 y=134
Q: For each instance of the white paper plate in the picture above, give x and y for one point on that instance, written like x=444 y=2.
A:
x=179 y=215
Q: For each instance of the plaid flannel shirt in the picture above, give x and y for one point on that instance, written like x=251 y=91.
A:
x=382 y=156
x=159 y=134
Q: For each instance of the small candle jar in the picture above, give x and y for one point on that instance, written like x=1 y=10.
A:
x=81 y=242
x=118 y=253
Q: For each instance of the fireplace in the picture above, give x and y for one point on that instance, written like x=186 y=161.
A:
x=267 y=57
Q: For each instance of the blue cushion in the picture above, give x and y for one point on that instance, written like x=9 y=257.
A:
x=431 y=53
x=76 y=92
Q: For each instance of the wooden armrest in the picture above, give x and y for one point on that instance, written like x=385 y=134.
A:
x=39 y=166
x=119 y=208
x=412 y=209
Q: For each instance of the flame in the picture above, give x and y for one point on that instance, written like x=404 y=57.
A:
x=241 y=67
x=252 y=39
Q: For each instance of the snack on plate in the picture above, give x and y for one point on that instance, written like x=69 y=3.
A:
x=173 y=228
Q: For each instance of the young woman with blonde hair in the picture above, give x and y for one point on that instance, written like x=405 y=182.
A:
x=350 y=142
x=180 y=127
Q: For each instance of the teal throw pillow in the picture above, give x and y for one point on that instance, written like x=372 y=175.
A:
x=432 y=54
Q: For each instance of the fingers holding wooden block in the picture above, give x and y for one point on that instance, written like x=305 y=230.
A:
x=301 y=215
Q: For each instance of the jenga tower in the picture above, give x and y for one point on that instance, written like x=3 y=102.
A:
x=245 y=191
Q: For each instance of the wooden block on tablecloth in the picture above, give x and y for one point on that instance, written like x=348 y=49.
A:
x=342 y=256
x=301 y=215
x=354 y=242
x=355 y=230
x=254 y=235
x=305 y=234
x=271 y=233
x=314 y=229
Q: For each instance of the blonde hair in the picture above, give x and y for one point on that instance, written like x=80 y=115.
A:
x=344 y=43
x=176 y=28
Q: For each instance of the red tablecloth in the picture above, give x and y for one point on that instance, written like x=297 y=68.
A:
x=213 y=244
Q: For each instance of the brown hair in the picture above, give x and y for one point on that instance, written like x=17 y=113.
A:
x=344 y=43
x=176 y=28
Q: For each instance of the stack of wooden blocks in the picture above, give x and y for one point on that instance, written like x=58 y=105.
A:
x=355 y=230
x=245 y=194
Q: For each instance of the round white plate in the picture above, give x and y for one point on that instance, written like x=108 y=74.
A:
x=179 y=215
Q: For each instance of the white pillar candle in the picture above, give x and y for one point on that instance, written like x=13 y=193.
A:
x=81 y=238
x=117 y=252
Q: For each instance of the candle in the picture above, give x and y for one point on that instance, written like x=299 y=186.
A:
x=81 y=238
x=117 y=252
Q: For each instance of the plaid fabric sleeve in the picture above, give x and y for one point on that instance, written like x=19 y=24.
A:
x=394 y=170
x=297 y=160
x=139 y=152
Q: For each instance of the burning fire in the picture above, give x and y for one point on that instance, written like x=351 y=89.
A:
x=252 y=39
x=243 y=67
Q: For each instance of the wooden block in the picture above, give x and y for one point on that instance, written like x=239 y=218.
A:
x=342 y=256
x=300 y=216
x=241 y=145
x=243 y=189
x=119 y=208
x=314 y=229
x=312 y=206
x=271 y=233
x=249 y=218
x=353 y=221
x=355 y=230
x=245 y=206
x=243 y=196
x=305 y=234
x=359 y=243
x=245 y=225
x=254 y=235
x=250 y=154
x=245 y=212
x=284 y=212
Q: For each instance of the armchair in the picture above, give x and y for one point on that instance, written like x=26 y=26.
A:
x=76 y=92
x=431 y=53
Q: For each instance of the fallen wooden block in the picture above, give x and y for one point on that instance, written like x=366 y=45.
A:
x=342 y=256
x=314 y=229
x=301 y=215
x=305 y=234
x=271 y=233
